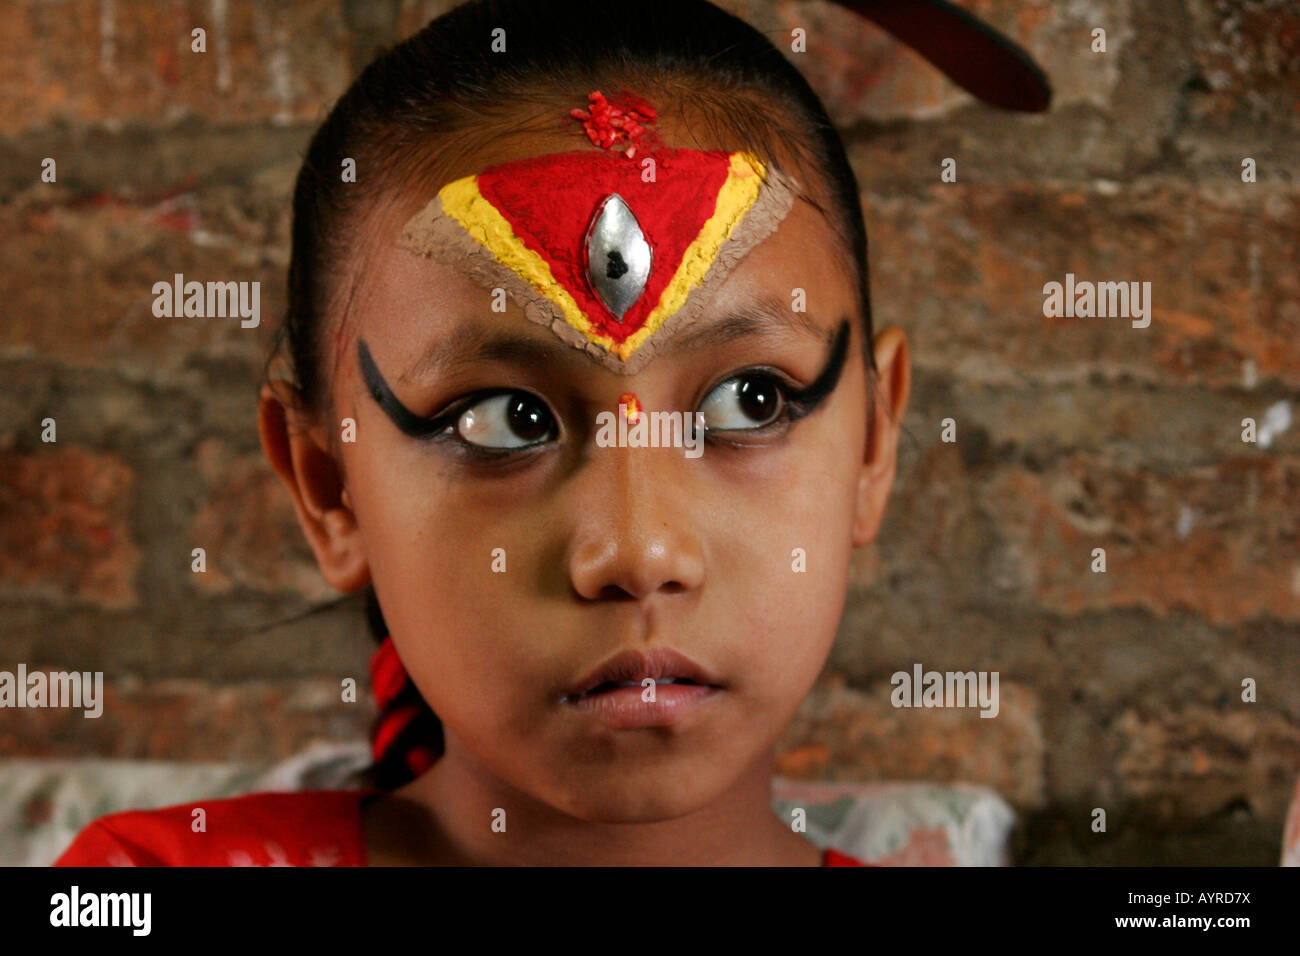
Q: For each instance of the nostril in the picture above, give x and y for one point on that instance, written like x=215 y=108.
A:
x=634 y=564
x=615 y=592
x=612 y=592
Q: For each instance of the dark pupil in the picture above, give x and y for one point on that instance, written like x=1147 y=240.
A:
x=527 y=419
x=758 y=399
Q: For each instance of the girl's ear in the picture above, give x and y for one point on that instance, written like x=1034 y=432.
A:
x=880 y=454
x=301 y=457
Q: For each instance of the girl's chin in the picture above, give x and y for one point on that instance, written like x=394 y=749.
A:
x=642 y=807
x=665 y=793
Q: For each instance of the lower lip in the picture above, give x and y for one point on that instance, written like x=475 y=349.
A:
x=623 y=709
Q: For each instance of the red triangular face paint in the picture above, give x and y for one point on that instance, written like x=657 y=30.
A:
x=611 y=252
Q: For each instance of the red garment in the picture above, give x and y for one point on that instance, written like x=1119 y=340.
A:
x=833 y=857
x=308 y=828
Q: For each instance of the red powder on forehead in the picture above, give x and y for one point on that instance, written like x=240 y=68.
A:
x=609 y=125
x=548 y=201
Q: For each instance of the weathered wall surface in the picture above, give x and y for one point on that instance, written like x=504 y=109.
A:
x=1120 y=690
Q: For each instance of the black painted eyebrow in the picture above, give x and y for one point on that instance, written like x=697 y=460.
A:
x=806 y=400
x=803 y=401
x=405 y=419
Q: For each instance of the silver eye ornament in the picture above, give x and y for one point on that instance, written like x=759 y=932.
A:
x=618 y=256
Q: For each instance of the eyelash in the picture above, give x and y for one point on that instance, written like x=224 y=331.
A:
x=448 y=435
x=792 y=409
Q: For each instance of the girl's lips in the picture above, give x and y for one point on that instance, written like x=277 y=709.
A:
x=632 y=666
x=624 y=709
x=613 y=693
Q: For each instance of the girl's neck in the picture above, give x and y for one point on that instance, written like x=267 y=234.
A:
x=446 y=817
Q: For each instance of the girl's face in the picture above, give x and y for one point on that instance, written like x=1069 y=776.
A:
x=514 y=556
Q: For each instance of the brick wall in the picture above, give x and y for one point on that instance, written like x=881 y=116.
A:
x=1120 y=690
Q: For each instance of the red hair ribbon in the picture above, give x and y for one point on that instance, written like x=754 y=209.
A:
x=388 y=679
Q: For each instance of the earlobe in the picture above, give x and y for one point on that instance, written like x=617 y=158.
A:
x=311 y=475
x=880 y=452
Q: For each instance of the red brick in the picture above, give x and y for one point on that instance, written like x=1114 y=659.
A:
x=1249 y=56
x=863 y=73
x=1239 y=558
x=1193 y=762
x=249 y=529
x=963 y=270
x=190 y=720
x=77 y=280
x=846 y=734
x=129 y=61
x=415 y=14
x=66 y=529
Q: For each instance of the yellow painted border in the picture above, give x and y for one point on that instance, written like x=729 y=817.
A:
x=738 y=193
x=462 y=200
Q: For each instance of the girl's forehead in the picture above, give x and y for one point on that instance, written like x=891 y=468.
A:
x=427 y=321
x=615 y=241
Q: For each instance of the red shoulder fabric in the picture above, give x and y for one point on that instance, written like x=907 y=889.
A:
x=834 y=857
x=311 y=828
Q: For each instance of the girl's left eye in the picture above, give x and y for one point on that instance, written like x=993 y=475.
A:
x=744 y=403
x=509 y=420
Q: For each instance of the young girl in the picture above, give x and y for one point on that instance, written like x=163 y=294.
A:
x=583 y=391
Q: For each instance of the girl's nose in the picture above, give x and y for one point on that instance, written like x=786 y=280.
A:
x=637 y=529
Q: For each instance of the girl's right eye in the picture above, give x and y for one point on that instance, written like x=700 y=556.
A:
x=747 y=402
x=506 y=421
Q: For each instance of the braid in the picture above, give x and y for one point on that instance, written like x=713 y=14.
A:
x=407 y=735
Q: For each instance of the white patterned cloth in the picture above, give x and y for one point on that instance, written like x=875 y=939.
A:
x=44 y=804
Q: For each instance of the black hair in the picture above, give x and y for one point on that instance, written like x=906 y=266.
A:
x=429 y=96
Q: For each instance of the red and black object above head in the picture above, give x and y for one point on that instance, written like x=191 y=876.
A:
x=968 y=51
